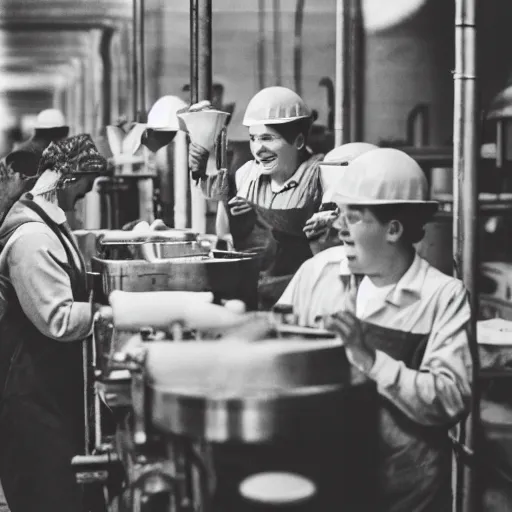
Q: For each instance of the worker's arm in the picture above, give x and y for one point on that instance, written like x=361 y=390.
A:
x=440 y=391
x=35 y=262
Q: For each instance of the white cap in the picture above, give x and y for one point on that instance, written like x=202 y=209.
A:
x=275 y=105
x=162 y=116
x=383 y=176
x=50 y=118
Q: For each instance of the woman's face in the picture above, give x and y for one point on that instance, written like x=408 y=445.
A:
x=366 y=240
x=271 y=150
x=76 y=190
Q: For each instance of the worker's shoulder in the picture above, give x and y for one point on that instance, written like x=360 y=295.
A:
x=249 y=166
x=439 y=283
x=247 y=171
x=329 y=261
x=32 y=237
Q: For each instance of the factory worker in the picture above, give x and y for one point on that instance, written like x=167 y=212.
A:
x=48 y=317
x=276 y=192
x=12 y=186
x=318 y=228
x=403 y=323
x=50 y=127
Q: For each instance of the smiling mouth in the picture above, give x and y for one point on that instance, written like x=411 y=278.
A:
x=266 y=160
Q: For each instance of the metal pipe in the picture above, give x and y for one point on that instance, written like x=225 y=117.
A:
x=355 y=54
x=106 y=81
x=115 y=74
x=500 y=144
x=465 y=206
x=340 y=136
x=418 y=126
x=194 y=63
x=204 y=50
x=276 y=12
x=204 y=92
x=261 y=43
x=139 y=86
x=297 y=47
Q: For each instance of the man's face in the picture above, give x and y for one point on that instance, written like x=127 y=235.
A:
x=271 y=150
x=366 y=240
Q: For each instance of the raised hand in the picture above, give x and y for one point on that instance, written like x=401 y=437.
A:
x=348 y=327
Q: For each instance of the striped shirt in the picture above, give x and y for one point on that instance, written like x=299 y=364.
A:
x=302 y=189
x=424 y=301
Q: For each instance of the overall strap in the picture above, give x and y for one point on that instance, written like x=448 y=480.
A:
x=61 y=234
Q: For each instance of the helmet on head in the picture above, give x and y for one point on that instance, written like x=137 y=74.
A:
x=334 y=166
x=275 y=105
x=49 y=119
x=162 y=116
x=347 y=152
x=383 y=176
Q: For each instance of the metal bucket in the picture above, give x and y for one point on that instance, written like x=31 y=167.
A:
x=226 y=278
x=166 y=250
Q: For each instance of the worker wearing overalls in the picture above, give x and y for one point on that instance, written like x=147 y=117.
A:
x=48 y=316
x=403 y=324
x=273 y=195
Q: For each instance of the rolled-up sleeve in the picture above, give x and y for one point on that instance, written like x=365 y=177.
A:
x=44 y=289
x=440 y=391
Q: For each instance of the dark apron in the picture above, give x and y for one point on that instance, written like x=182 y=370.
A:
x=278 y=236
x=41 y=413
x=415 y=466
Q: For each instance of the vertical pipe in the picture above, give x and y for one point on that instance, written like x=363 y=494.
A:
x=261 y=44
x=297 y=47
x=276 y=12
x=194 y=22
x=500 y=144
x=70 y=105
x=465 y=205
x=139 y=87
x=115 y=74
x=106 y=79
x=339 y=93
x=204 y=92
x=204 y=50
x=354 y=72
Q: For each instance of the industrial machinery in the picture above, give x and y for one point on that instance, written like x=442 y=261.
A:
x=195 y=388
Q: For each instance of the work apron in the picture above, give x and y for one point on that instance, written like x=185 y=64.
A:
x=41 y=413
x=415 y=460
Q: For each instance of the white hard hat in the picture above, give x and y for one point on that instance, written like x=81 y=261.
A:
x=383 y=176
x=275 y=105
x=162 y=116
x=50 y=118
x=347 y=152
x=334 y=166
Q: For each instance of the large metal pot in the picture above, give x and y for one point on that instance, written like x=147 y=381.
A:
x=227 y=278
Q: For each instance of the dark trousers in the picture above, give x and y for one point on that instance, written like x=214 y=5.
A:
x=35 y=460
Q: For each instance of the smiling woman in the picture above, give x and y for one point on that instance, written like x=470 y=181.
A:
x=275 y=193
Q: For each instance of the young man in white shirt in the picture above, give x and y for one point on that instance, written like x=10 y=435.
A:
x=403 y=323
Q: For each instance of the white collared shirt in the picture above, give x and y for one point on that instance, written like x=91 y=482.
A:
x=424 y=301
